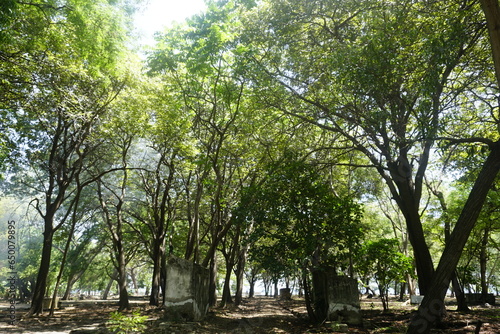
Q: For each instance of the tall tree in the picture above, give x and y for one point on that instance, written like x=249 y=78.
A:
x=300 y=223
x=373 y=71
x=432 y=306
x=56 y=92
x=212 y=89
x=158 y=180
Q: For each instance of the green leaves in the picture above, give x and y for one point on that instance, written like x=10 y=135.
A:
x=126 y=324
x=297 y=217
x=381 y=260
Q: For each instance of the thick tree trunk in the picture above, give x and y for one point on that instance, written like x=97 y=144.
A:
x=491 y=11
x=276 y=292
x=43 y=271
x=459 y=294
x=422 y=255
x=123 y=303
x=251 y=291
x=402 y=292
x=432 y=307
x=158 y=253
x=69 y=286
x=226 y=291
x=320 y=288
x=212 y=285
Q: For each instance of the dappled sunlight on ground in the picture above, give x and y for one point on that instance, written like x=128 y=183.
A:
x=256 y=315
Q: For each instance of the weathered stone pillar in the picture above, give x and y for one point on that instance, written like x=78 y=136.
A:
x=186 y=290
x=343 y=300
x=285 y=294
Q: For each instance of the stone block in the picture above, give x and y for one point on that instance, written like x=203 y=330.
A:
x=477 y=299
x=47 y=303
x=186 y=290
x=343 y=300
x=285 y=294
x=416 y=300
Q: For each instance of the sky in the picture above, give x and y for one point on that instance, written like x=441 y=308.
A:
x=161 y=13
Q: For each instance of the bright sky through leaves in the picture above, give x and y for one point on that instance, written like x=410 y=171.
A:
x=161 y=13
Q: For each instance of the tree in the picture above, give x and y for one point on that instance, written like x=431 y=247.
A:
x=374 y=72
x=113 y=214
x=162 y=190
x=382 y=259
x=55 y=94
x=121 y=131
x=301 y=223
x=252 y=273
x=213 y=91
x=432 y=305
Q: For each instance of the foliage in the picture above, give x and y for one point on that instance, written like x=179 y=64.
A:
x=382 y=259
x=298 y=217
x=253 y=131
x=121 y=323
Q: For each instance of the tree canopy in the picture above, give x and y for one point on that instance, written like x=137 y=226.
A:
x=285 y=136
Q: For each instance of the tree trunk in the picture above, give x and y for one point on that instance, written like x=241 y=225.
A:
x=123 y=303
x=267 y=285
x=402 y=292
x=301 y=288
x=212 y=285
x=384 y=297
x=43 y=271
x=69 y=286
x=226 y=291
x=432 y=307
x=422 y=256
x=457 y=288
x=251 y=291
x=240 y=270
x=66 y=247
x=483 y=260
x=459 y=294
x=320 y=292
x=113 y=278
x=276 y=292
x=133 y=278
x=158 y=253
x=116 y=231
x=491 y=11
x=308 y=297
x=193 y=211
x=163 y=276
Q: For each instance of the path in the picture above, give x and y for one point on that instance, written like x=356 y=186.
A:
x=256 y=315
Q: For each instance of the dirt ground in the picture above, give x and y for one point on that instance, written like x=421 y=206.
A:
x=257 y=315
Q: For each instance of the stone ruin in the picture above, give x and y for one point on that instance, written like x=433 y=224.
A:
x=186 y=290
x=285 y=294
x=343 y=300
